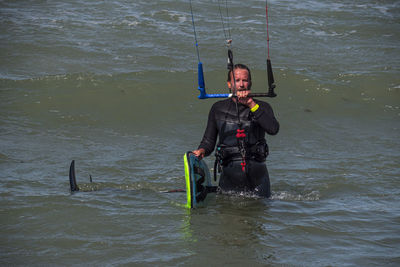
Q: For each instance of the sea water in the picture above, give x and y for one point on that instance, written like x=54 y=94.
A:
x=112 y=85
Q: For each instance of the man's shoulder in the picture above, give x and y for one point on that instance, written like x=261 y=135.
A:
x=221 y=103
x=262 y=103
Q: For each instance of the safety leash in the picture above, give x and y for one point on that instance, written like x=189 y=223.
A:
x=271 y=85
x=240 y=133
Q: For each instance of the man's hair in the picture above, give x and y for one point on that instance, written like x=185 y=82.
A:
x=242 y=67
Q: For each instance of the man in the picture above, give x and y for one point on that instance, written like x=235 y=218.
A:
x=240 y=125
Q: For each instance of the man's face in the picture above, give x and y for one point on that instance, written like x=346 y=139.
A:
x=242 y=81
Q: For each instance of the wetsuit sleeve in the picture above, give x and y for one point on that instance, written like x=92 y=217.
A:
x=210 y=134
x=265 y=117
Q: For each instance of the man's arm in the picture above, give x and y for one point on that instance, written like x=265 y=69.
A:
x=264 y=116
x=262 y=112
x=209 y=140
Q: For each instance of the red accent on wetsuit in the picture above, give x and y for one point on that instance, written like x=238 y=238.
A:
x=243 y=166
x=240 y=133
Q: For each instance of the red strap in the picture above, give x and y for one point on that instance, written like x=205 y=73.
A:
x=240 y=133
x=243 y=166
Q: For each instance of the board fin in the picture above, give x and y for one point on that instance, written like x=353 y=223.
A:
x=72 y=179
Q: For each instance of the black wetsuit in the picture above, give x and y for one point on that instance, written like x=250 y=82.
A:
x=223 y=123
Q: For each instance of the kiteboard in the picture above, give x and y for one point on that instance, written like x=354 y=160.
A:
x=198 y=180
x=197 y=177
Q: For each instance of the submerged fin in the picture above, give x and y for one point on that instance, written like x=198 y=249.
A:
x=72 y=178
x=173 y=191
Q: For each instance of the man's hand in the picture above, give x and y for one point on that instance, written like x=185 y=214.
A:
x=199 y=153
x=243 y=98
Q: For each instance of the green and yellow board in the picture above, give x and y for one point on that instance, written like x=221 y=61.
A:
x=198 y=180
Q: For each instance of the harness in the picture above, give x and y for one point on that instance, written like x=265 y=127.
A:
x=226 y=154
